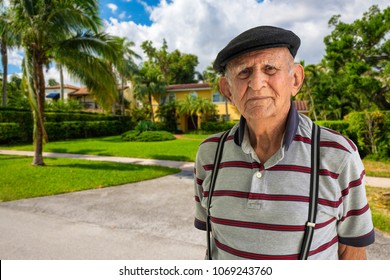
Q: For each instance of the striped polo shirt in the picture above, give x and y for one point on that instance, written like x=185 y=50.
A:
x=259 y=210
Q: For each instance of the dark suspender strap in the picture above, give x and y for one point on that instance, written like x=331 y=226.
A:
x=214 y=174
x=314 y=178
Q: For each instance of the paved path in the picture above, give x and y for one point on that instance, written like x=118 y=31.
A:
x=146 y=220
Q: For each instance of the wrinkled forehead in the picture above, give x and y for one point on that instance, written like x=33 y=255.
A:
x=265 y=56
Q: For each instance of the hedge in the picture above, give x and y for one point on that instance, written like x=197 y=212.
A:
x=9 y=133
x=370 y=131
x=213 y=127
x=17 y=125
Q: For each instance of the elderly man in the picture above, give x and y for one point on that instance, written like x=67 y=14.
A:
x=258 y=206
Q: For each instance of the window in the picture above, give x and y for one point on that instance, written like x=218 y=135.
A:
x=217 y=98
x=194 y=95
x=171 y=97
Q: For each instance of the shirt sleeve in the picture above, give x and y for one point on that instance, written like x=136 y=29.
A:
x=199 y=179
x=355 y=227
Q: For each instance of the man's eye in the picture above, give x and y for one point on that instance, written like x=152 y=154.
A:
x=243 y=74
x=270 y=70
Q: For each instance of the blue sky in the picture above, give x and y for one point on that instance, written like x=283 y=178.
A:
x=203 y=27
x=128 y=10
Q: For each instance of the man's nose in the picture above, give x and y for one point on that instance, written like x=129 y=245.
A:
x=258 y=79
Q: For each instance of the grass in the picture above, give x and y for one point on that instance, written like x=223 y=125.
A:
x=19 y=179
x=180 y=149
x=377 y=168
x=379 y=200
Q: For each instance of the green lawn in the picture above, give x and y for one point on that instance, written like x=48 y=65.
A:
x=379 y=200
x=19 y=179
x=377 y=168
x=180 y=149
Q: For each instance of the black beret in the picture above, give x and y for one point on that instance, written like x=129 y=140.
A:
x=257 y=38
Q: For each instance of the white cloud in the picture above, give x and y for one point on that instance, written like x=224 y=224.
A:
x=203 y=27
x=15 y=57
x=122 y=15
x=147 y=8
x=112 y=7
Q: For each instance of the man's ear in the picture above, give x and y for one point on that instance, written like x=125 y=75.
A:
x=299 y=76
x=225 y=88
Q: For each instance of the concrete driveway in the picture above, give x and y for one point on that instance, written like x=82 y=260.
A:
x=150 y=220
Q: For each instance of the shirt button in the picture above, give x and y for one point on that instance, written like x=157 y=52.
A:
x=258 y=174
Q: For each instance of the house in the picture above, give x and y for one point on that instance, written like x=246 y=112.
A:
x=225 y=110
x=54 y=92
x=82 y=95
x=202 y=90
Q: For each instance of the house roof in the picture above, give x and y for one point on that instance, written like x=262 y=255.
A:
x=180 y=87
x=80 y=92
x=65 y=86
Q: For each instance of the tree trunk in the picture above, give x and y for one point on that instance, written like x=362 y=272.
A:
x=61 y=83
x=226 y=111
x=40 y=134
x=151 y=107
x=4 y=61
x=122 y=99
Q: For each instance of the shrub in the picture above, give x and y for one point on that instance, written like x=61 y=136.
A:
x=147 y=136
x=339 y=126
x=62 y=125
x=212 y=127
x=371 y=130
x=146 y=125
x=9 y=132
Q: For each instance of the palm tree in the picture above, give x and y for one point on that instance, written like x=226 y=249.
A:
x=145 y=88
x=126 y=67
x=205 y=107
x=66 y=32
x=188 y=107
x=7 y=41
x=149 y=81
x=212 y=79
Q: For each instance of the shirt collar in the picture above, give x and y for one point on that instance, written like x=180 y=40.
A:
x=291 y=128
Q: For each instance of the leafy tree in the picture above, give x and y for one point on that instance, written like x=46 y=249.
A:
x=17 y=98
x=148 y=82
x=358 y=61
x=167 y=114
x=67 y=32
x=175 y=67
x=52 y=82
x=162 y=68
x=354 y=73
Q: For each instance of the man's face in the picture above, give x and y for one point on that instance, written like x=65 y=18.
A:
x=261 y=83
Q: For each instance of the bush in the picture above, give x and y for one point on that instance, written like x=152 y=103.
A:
x=213 y=127
x=371 y=129
x=82 y=129
x=339 y=126
x=9 y=132
x=147 y=136
x=146 y=125
x=61 y=125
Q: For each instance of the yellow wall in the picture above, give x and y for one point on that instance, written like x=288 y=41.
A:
x=202 y=93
